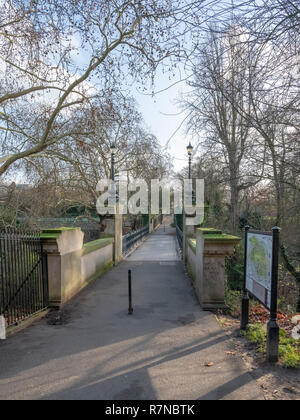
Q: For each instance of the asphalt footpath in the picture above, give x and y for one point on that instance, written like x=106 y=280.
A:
x=168 y=349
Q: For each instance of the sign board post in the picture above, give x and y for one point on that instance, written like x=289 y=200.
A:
x=261 y=281
x=245 y=297
x=273 y=328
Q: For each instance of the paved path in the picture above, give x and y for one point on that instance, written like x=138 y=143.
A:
x=100 y=352
x=160 y=246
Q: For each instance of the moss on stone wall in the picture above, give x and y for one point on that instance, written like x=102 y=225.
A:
x=192 y=244
x=211 y=234
x=95 y=245
x=55 y=232
x=207 y=231
x=221 y=237
x=100 y=272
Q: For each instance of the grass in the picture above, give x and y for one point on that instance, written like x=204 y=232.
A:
x=289 y=348
x=256 y=335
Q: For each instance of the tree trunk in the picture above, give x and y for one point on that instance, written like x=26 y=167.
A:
x=234 y=197
x=292 y=270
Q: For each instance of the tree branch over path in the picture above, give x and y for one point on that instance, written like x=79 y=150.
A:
x=45 y=138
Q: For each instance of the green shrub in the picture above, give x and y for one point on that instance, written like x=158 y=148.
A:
x=235 y=269
x=290 y=355
x=233 y=301
x=289 y=349
x=257 y=335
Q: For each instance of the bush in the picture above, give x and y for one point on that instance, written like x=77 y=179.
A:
x=289 y=349
x=235 y=270
x=233 y=301
x=289 y=355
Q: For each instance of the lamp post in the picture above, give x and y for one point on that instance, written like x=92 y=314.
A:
x=112 y=168
x=186 y=229
x=117 y=230
x=189 y=149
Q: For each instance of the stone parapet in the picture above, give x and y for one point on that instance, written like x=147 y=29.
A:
x=212 y=247
x=70 y=264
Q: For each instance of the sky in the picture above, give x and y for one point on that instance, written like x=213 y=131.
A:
x=165 y=119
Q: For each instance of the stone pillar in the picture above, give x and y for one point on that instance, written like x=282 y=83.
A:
x=114 y=228
x=188 y=231
x=63 y=247
x=212 y=247
x=108 y=227
x=151 y=228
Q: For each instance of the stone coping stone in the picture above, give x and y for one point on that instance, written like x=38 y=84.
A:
x=213 y=235
x=95 y=245
x=207 y=231
x=54 y=233
x=221 y=237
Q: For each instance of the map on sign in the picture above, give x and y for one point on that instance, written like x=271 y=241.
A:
x=259 y=266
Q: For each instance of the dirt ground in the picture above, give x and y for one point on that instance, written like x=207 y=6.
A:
x=276 y=381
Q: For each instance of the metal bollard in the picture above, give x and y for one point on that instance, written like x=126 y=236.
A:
x=130 y=308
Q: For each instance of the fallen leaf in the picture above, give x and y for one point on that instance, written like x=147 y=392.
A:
x=209 y=364
x=233 y=353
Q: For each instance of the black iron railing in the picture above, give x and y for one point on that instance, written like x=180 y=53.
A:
x=23 y=275
x=179 y=236
x=131 y=239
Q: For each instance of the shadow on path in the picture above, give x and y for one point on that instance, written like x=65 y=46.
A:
x=159 y=352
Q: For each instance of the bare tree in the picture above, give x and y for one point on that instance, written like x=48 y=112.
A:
x=74 y=167
x=219 y=88
x=55 y=54
x=49 y=52
x=272 y=113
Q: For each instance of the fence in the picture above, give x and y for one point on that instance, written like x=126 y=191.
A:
x=23 y=275
x=179 y=236
x=90 y=226
x=178 y=220
x=131 y=239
